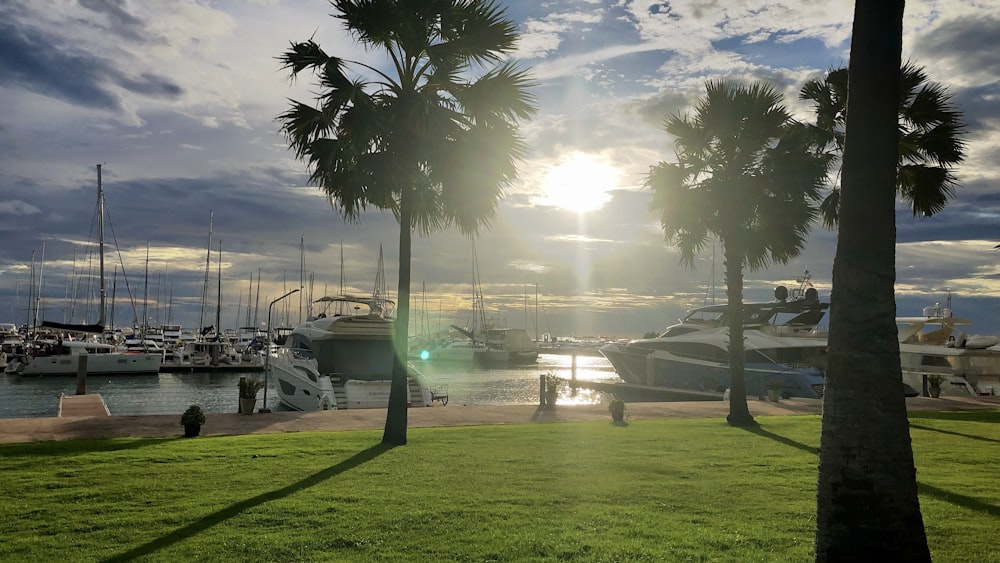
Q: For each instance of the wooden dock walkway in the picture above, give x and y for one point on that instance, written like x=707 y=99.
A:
x=83 y=405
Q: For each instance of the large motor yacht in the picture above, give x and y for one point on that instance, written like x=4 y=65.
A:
x=348 y=354
x=936 y=344
x=784 y=346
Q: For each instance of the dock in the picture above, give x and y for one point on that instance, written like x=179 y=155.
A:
x=630 y=392
x=208 y=368
x=82 y=405
x=589 y=351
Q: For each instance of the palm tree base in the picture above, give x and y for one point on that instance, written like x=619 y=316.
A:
x=742 y=421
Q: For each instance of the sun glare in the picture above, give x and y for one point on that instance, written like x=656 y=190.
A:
x=579 y=183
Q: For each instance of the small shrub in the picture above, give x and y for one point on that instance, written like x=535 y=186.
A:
x=193 y=416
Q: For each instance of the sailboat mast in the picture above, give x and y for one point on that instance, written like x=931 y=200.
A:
x=302 y=271
x=114 y=294
x=100 y=244
x=218 y=306
x=32 y=315
x=256 y=305
x=249 y=298
x=208 y=262
x=145 y=296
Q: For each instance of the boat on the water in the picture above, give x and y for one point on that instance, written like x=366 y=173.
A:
x=936 y=344
x=343 y=361
x=64 y=356
x=784 y=348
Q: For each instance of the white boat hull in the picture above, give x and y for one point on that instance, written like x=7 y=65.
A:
x=97 y=364
x=300 y=385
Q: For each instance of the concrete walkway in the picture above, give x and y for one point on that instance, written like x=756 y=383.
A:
x=20 y=430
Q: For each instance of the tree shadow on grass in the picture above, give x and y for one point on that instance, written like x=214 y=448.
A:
x=229 y=512
x=983 y=415
x=924 y=489
x=62 y=449
x=958 y=434
x=758 y=430
x=959 y=500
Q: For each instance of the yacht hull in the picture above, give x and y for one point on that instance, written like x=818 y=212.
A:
x=97 y=364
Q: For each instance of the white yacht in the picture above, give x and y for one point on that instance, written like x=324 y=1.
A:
x=784 y=345
x=54 y=357
x=206 y=353
x=349 y=355
x=935 y=344
x=514 y=342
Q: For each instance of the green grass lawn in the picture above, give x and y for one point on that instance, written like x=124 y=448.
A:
x=653 y=490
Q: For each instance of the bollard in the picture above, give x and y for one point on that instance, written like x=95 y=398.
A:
x=239 y=406
x=541 y=390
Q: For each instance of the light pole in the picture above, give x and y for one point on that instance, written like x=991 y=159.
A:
x=267 y=355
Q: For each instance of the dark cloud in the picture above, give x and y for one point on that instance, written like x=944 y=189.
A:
x=967 y=42
x=979 y=106
x=47 y=63
x=122 y=22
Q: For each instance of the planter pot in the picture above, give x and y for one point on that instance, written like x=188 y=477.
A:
x=550 y=400
x=247 y=405
x=618 y=416
x=774 y=395
x=935 y=392
x=192 y=430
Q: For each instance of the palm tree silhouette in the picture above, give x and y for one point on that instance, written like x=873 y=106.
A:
x=423 y=140
x=748 y=174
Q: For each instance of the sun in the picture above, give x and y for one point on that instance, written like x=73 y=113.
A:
x=580 y=183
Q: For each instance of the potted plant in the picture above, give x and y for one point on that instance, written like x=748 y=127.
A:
x=191 y=420
x=552 y=384
x=617 y=409
x=249 y=386
x=934 y=382
x=774 y=388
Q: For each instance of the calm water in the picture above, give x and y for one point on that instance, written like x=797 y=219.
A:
x=169 y=393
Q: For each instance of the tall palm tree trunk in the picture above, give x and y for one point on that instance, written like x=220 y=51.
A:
x=867 y=505
x=739 y=412
x=396 y=415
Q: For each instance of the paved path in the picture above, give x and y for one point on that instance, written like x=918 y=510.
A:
x=19 y=430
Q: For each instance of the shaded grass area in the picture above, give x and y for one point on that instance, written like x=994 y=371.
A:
x=659 y=490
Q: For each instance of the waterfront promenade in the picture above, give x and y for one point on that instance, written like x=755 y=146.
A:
x=21 y=430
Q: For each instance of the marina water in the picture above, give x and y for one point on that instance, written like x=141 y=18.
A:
x=172 y=393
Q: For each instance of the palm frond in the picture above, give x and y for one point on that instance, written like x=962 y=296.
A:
x=301 y=56
x=475 y=31
x=503 y=93
x=927 y=188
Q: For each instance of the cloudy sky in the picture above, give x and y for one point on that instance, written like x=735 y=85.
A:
x=178 y=98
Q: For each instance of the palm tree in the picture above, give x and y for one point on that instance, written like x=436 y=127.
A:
x=423 y=139
x=866 y=503
x=747 y=174
x=930 y=137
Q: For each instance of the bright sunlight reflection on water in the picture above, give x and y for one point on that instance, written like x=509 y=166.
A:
x=169 y=393
x=517 y=385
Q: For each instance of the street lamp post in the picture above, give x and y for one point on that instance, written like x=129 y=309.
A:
x=267 y=355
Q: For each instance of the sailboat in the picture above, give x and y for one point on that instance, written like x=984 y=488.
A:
x=493 y=344
x=59 y=356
